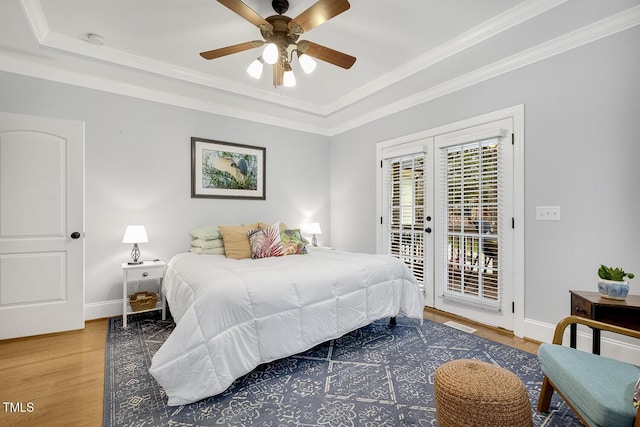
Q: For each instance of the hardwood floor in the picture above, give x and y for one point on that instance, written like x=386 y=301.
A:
x=54 y=379
x=58 y=379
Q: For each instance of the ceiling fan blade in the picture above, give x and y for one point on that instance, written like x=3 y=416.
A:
x=278 y=74
x=224 y=51
x=318 y=13
x=326 y=54
x=245 y=12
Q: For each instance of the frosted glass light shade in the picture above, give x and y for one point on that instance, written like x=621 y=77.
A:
x=289 y=79
x=307 y=63
x=135 y=234
x=255 y=69
x=270 y=54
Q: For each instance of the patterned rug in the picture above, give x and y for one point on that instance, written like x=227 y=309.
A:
x=379 y=375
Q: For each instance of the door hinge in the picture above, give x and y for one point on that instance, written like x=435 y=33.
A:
x=513 y=306
x=513 y=139
x=513 y=222
x=380 y=220
x=380 y=163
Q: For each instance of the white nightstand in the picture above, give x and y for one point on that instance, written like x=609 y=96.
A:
x=145 y=271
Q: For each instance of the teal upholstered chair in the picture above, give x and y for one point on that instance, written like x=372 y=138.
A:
x=598 y=389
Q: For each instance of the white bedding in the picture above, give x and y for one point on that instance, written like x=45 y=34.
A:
x=232 y=315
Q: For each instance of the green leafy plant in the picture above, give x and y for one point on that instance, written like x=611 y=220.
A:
x=616 y=274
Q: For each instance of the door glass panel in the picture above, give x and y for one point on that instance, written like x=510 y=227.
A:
x=406 y=186
x=472 y=216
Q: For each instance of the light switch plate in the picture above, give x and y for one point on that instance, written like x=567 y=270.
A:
x=548 y=213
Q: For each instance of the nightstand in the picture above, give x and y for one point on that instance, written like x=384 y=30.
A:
x=145 y=271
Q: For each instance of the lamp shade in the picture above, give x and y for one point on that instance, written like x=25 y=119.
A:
x=270 y=54
x=307 y=63
x=289 y=79
x=255 y=68
x=311 y=228
x=135 y=234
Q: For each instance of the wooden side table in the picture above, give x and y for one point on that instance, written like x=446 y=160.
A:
x=145 y=271
x=591 y=305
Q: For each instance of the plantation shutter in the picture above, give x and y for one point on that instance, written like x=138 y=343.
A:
x=473 y=194
x=405 y=210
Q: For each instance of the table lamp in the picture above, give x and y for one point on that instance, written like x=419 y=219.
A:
x=135 y=234
x=312 y=228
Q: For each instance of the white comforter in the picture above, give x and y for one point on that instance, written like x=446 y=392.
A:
x=232 y=315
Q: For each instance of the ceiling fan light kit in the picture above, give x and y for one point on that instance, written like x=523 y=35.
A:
x=270 y=54
x=255 y=68
x=281 y=33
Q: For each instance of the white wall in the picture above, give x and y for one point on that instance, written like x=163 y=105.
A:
x=582 y=148
x=138 y=166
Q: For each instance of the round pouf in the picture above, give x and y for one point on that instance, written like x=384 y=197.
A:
x=474 y=393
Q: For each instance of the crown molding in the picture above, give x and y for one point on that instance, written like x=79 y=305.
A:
x=34 y=14
x=52 y=73
x=33 y=11
x=590 y=33
x=506 y=20
x=512 y=17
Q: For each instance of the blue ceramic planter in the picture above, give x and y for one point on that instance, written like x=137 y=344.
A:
x=613 y=289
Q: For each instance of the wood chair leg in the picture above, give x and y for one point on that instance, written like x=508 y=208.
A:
x=546 y=392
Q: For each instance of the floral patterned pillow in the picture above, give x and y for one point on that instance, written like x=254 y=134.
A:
x=266 y=242
x=293 y=242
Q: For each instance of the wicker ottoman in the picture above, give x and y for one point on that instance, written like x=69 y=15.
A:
x=474 y=393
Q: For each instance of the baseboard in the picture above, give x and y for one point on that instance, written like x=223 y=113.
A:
x=611 y=345
x=100 y=310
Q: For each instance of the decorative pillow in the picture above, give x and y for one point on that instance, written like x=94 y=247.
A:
x=266 y=242
x=203 y=251
x=236 y=240
x=292 y=242
x=206 y=232
x=208 y=244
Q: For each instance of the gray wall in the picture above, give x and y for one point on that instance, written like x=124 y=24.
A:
x=582 y=146
x=138 y=166
x=582 y=111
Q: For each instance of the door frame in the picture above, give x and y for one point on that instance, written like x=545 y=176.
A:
x=516 y=114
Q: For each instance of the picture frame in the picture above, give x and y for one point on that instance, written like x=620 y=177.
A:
x=225 y=170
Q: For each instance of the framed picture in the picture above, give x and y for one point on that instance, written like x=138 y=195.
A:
x=227 y=171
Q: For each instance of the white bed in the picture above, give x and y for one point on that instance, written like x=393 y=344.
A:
x=232 y=315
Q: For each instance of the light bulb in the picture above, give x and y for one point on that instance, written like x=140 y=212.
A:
x=307 y=63
x=289 y=79
x=270 y=54
x=255 y=69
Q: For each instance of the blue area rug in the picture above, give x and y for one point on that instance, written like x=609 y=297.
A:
x=379 y=375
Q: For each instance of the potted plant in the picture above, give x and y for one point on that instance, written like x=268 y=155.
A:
x=612 y=283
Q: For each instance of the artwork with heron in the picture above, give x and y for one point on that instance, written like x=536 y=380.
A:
x=227 y=170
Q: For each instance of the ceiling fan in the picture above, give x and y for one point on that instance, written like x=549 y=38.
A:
x=281 y=33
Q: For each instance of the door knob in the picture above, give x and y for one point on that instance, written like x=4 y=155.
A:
x=75 y=235
x=427 y=230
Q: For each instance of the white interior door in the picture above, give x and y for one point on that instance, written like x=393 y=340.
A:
x=41 y=225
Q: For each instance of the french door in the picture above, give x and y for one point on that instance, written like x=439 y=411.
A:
x=447 y=209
